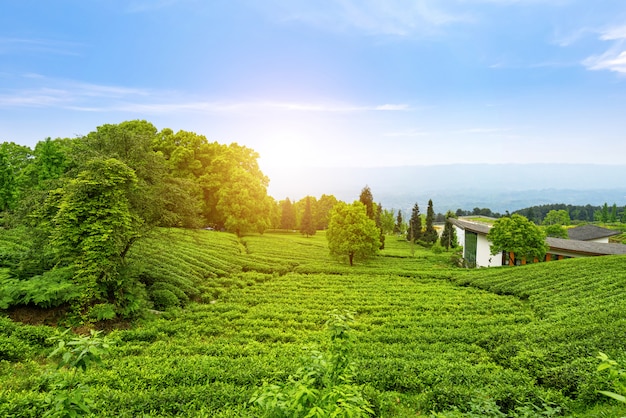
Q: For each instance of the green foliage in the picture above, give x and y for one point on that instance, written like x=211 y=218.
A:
x=399 y=227
x=352 y=233
x=307 y=226
x=367 y=199
x=557 y=217
x=414 y=232
x=51 y=289
x=430 y=235
x=164 y=299
x=69 y=398
x=448 y=236
x=287 y=214
x=519 y=235
x=323 y=208
x=518 y=342
x=387 y=222
x=556 y=231
x=617 y=376
x=323 y=386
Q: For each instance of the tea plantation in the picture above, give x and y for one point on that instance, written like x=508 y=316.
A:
x=428 y=338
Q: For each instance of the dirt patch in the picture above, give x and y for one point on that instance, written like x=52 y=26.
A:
x=32 y=315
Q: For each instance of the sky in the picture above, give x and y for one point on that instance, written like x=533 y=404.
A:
x=327 y=83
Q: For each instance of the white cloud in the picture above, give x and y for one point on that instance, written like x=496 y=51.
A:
x=614 y=33
x=88 y=97
x=48 y=46
x=614 y=59
x=398 y=18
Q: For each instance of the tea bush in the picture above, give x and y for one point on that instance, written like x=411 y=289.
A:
x=430 y=338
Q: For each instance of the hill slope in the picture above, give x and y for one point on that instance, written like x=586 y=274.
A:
x=428 y=337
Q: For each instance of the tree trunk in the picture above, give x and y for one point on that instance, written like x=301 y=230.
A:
x=351 y=256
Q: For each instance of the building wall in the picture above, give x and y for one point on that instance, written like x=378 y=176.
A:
x=604 y=240
x=483 y=254
x=460 y=238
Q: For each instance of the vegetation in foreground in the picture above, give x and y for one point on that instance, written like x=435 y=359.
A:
x=426 y=338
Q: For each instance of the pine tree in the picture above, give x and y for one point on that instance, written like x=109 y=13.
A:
x=379 y=211
x=288 y=215
x=307 y=227
x=367 y=199
x=448 y=236
x=399 y=226
x=415 y=225
x=430 y=234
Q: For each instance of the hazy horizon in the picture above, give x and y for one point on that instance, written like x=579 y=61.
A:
x=332 y=83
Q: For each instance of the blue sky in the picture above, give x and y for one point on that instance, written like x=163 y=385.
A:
x=328 y=82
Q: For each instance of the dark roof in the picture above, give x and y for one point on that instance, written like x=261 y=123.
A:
x=590 y=232
x=570 y=245
x=478 y=227
x=585 y=247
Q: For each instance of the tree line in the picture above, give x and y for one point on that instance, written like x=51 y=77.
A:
x=82 y=203
x=577 y=213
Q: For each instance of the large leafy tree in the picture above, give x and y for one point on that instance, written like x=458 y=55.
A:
x=226 y=170
x=557 y=217
x=14 y=164
x=8 y=184
x=415 y=225
x=323 y=208
x=518 y=235
x=554 y=223
x=93 y=227
x=387 y=221
x=243 y=203
x=352 y=233
x=430 y=234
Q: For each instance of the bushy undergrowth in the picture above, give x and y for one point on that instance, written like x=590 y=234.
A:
x=430 y=338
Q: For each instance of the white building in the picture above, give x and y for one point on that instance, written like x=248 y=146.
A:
x=477 y=253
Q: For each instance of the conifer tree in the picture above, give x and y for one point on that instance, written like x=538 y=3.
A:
x=379 y=224
x=430 y=234
x=307 y=227
x=398 y=228
x=448 y=236
x=288 y=215
x=415 y=225
x=367 y=199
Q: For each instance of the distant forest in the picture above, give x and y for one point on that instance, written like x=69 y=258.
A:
x=586 y=213
x=577 y=213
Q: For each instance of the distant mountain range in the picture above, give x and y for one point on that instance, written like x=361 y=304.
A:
x=499 y=187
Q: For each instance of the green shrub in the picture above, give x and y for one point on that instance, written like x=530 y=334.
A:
x=13 y=349
x=101 y=312
x=164 y=299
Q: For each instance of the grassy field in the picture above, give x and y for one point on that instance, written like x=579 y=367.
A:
x=428 y=337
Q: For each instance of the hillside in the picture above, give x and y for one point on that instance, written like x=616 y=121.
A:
x=427 y=336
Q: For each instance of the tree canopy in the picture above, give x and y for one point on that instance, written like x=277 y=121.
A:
x=518 y=235
x=87 y=200
x=430 y=234
x=414 y=232
x=352 y=233
x=448 y=236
